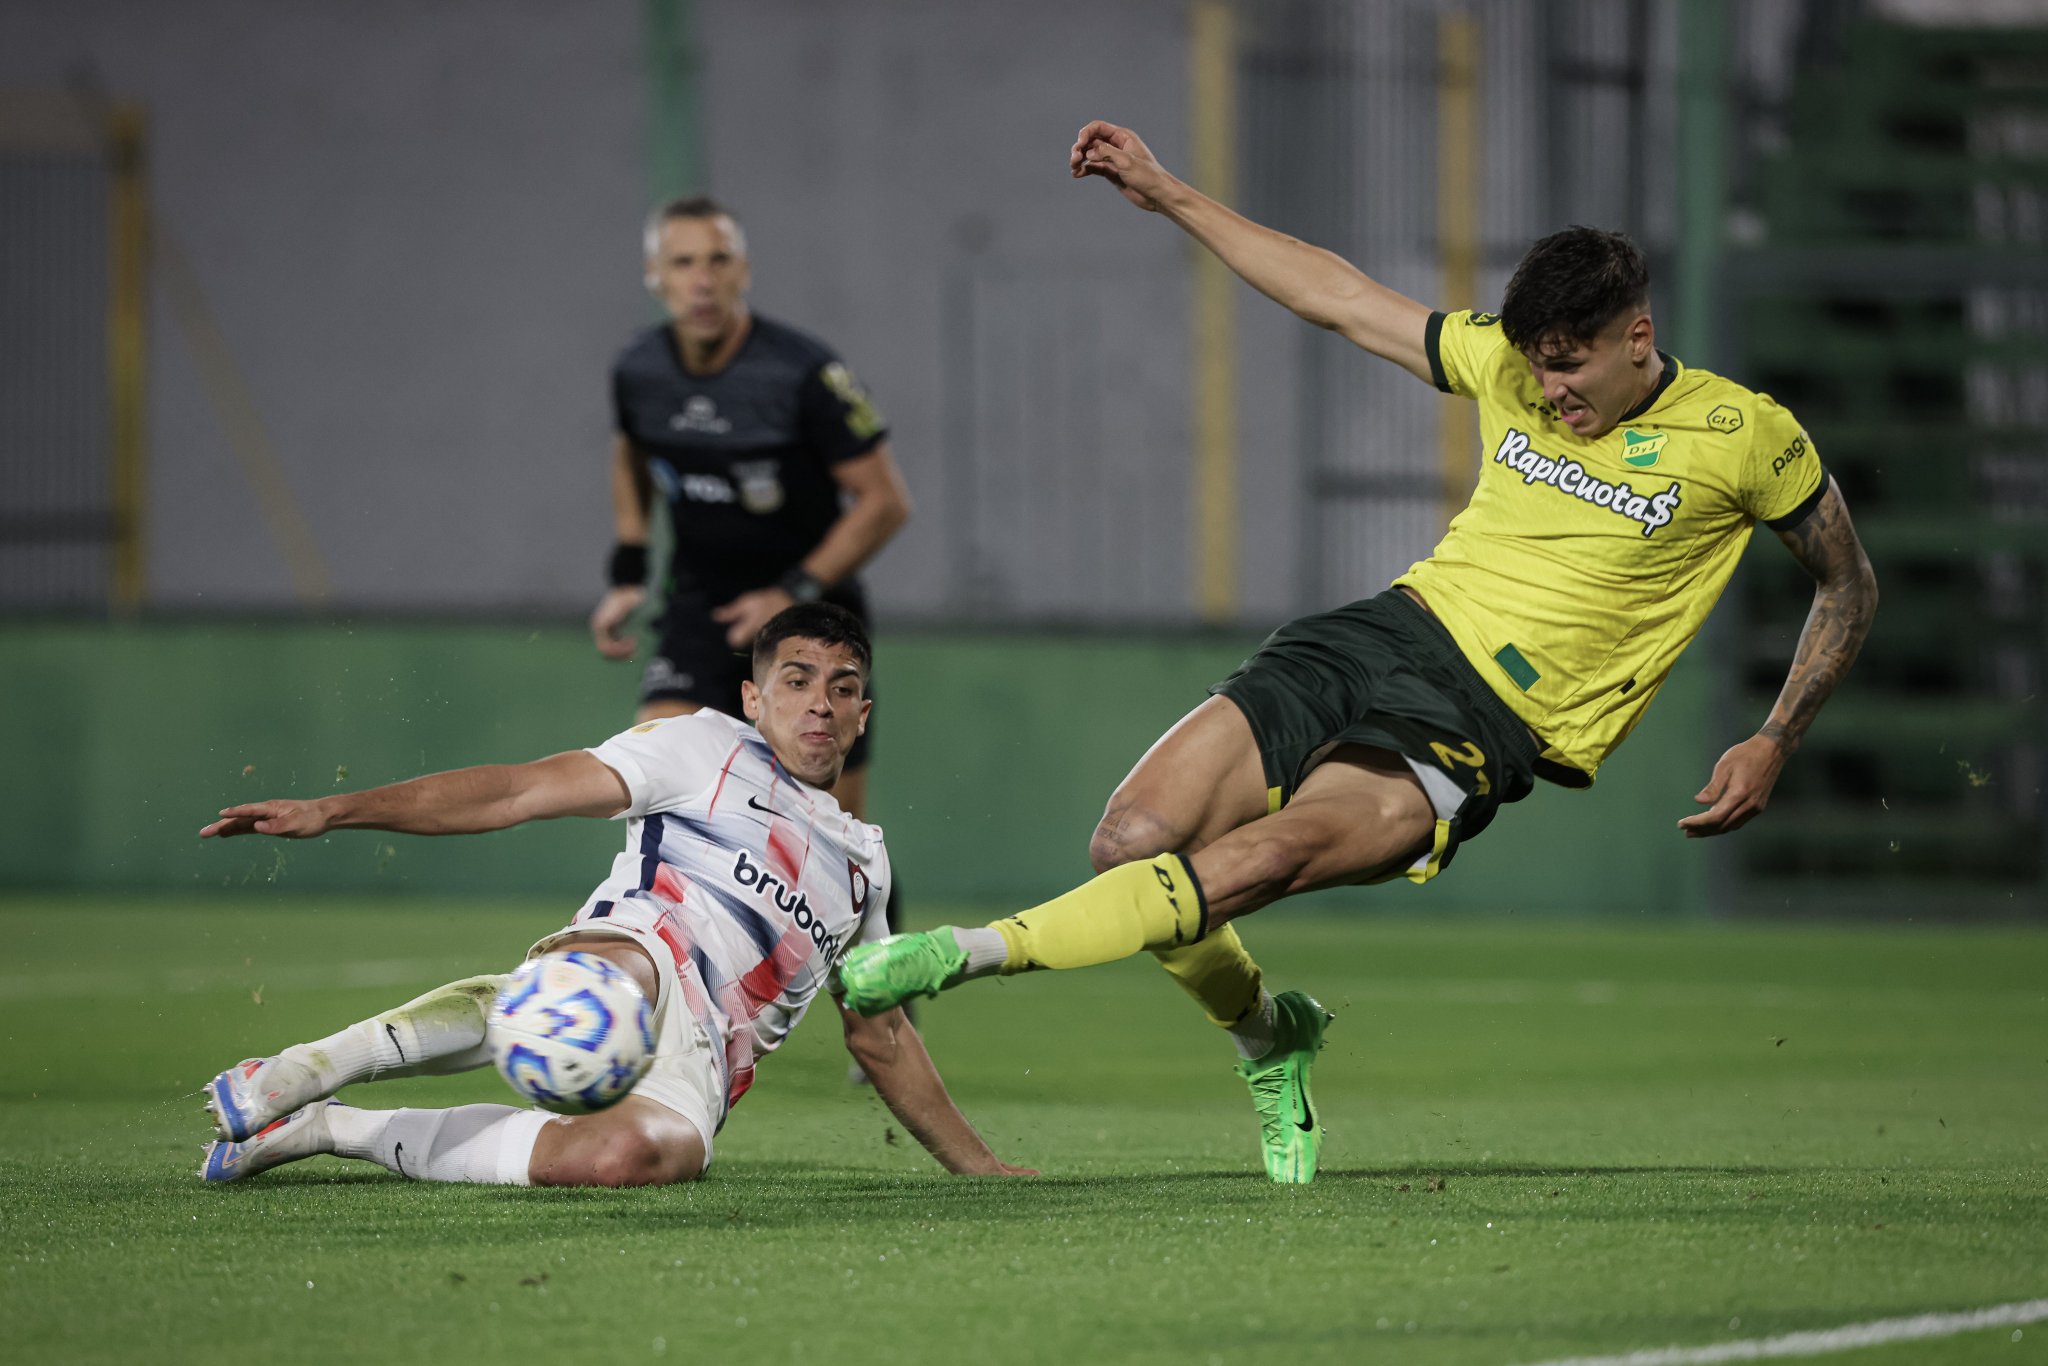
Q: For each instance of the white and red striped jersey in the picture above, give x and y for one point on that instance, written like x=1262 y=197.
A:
x=758 y=882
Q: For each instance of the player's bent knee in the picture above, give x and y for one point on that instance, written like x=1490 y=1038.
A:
x=653 y=1147
x=631 y=1158
x=1129 y=832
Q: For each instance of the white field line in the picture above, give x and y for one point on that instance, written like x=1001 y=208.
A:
x=135 y=985
x=1824 y=1341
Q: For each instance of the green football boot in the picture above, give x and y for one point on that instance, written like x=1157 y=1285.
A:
x=878 y=976
x=1289 y=1130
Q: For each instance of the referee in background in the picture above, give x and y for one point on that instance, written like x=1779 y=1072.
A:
x=774 y=465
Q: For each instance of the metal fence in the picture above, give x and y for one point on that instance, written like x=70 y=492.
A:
x=1061 y=390
x=61 y=530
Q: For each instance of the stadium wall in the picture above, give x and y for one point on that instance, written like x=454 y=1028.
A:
x=994 y=754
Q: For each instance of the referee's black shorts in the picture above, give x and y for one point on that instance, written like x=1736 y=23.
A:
x=1384 y=673
x=692 y=662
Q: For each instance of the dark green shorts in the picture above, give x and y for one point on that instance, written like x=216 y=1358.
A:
x=1385 y=673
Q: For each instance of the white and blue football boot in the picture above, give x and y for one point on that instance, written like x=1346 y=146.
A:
x=303 y=1133
x=257 y=1092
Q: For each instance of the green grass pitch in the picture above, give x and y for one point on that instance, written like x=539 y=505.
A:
x=1545 y=1139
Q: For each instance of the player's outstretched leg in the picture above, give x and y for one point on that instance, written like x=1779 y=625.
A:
x=1355 y=818
x=1203 y=780
x=1359 y=816
x=485 y=1144
x=1155 y=904
x=434 y=1034
x=637 y=1142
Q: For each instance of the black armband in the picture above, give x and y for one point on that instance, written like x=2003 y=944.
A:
x=628 y=567
x=802 y=585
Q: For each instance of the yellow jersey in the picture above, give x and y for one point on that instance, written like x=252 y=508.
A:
x=1581 y=569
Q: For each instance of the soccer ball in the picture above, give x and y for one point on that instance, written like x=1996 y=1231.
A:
x=571 y=1032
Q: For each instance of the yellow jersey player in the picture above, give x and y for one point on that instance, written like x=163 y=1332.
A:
x=1616 y=492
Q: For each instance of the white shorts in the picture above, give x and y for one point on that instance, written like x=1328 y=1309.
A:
x=684 y=1077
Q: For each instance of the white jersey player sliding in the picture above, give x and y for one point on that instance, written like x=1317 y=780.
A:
x=741 y=885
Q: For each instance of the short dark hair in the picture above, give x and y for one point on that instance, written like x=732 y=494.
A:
x=825 y=622
x=1572 y=284
x=688 y=206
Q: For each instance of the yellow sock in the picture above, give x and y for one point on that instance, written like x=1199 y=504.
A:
x=1151 y=905
x=1218 y=973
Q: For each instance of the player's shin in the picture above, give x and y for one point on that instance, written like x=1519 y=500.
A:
x=1220 y=974
x=431 y=1035
x=1156 y=904
x=440 y=1032
x=483 y=1144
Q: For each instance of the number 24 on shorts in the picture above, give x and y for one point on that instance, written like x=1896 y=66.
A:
x=1470 y=756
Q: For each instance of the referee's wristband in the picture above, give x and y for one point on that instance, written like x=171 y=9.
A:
x=802 y=585
x=628 y=567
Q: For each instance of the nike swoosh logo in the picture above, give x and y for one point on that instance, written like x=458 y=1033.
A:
x=393 y=1033
x=1307 y=1122
x=398 y=1158
x=764 y=810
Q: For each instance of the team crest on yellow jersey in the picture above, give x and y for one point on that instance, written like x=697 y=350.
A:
x=1640 y=448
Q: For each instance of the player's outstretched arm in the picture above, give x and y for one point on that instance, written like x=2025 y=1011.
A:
x=463 y=801
x=1844 y=602
x=1317 y=285
x=890 y=1052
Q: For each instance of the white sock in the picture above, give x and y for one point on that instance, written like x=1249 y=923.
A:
x=984 y=948
x=490 y=1145
x=431 y=1035
x=1253 y=1034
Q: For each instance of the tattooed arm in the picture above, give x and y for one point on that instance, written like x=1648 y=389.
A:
x=1844 y=601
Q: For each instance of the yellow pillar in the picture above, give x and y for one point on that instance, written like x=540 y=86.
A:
x=1213 y=125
